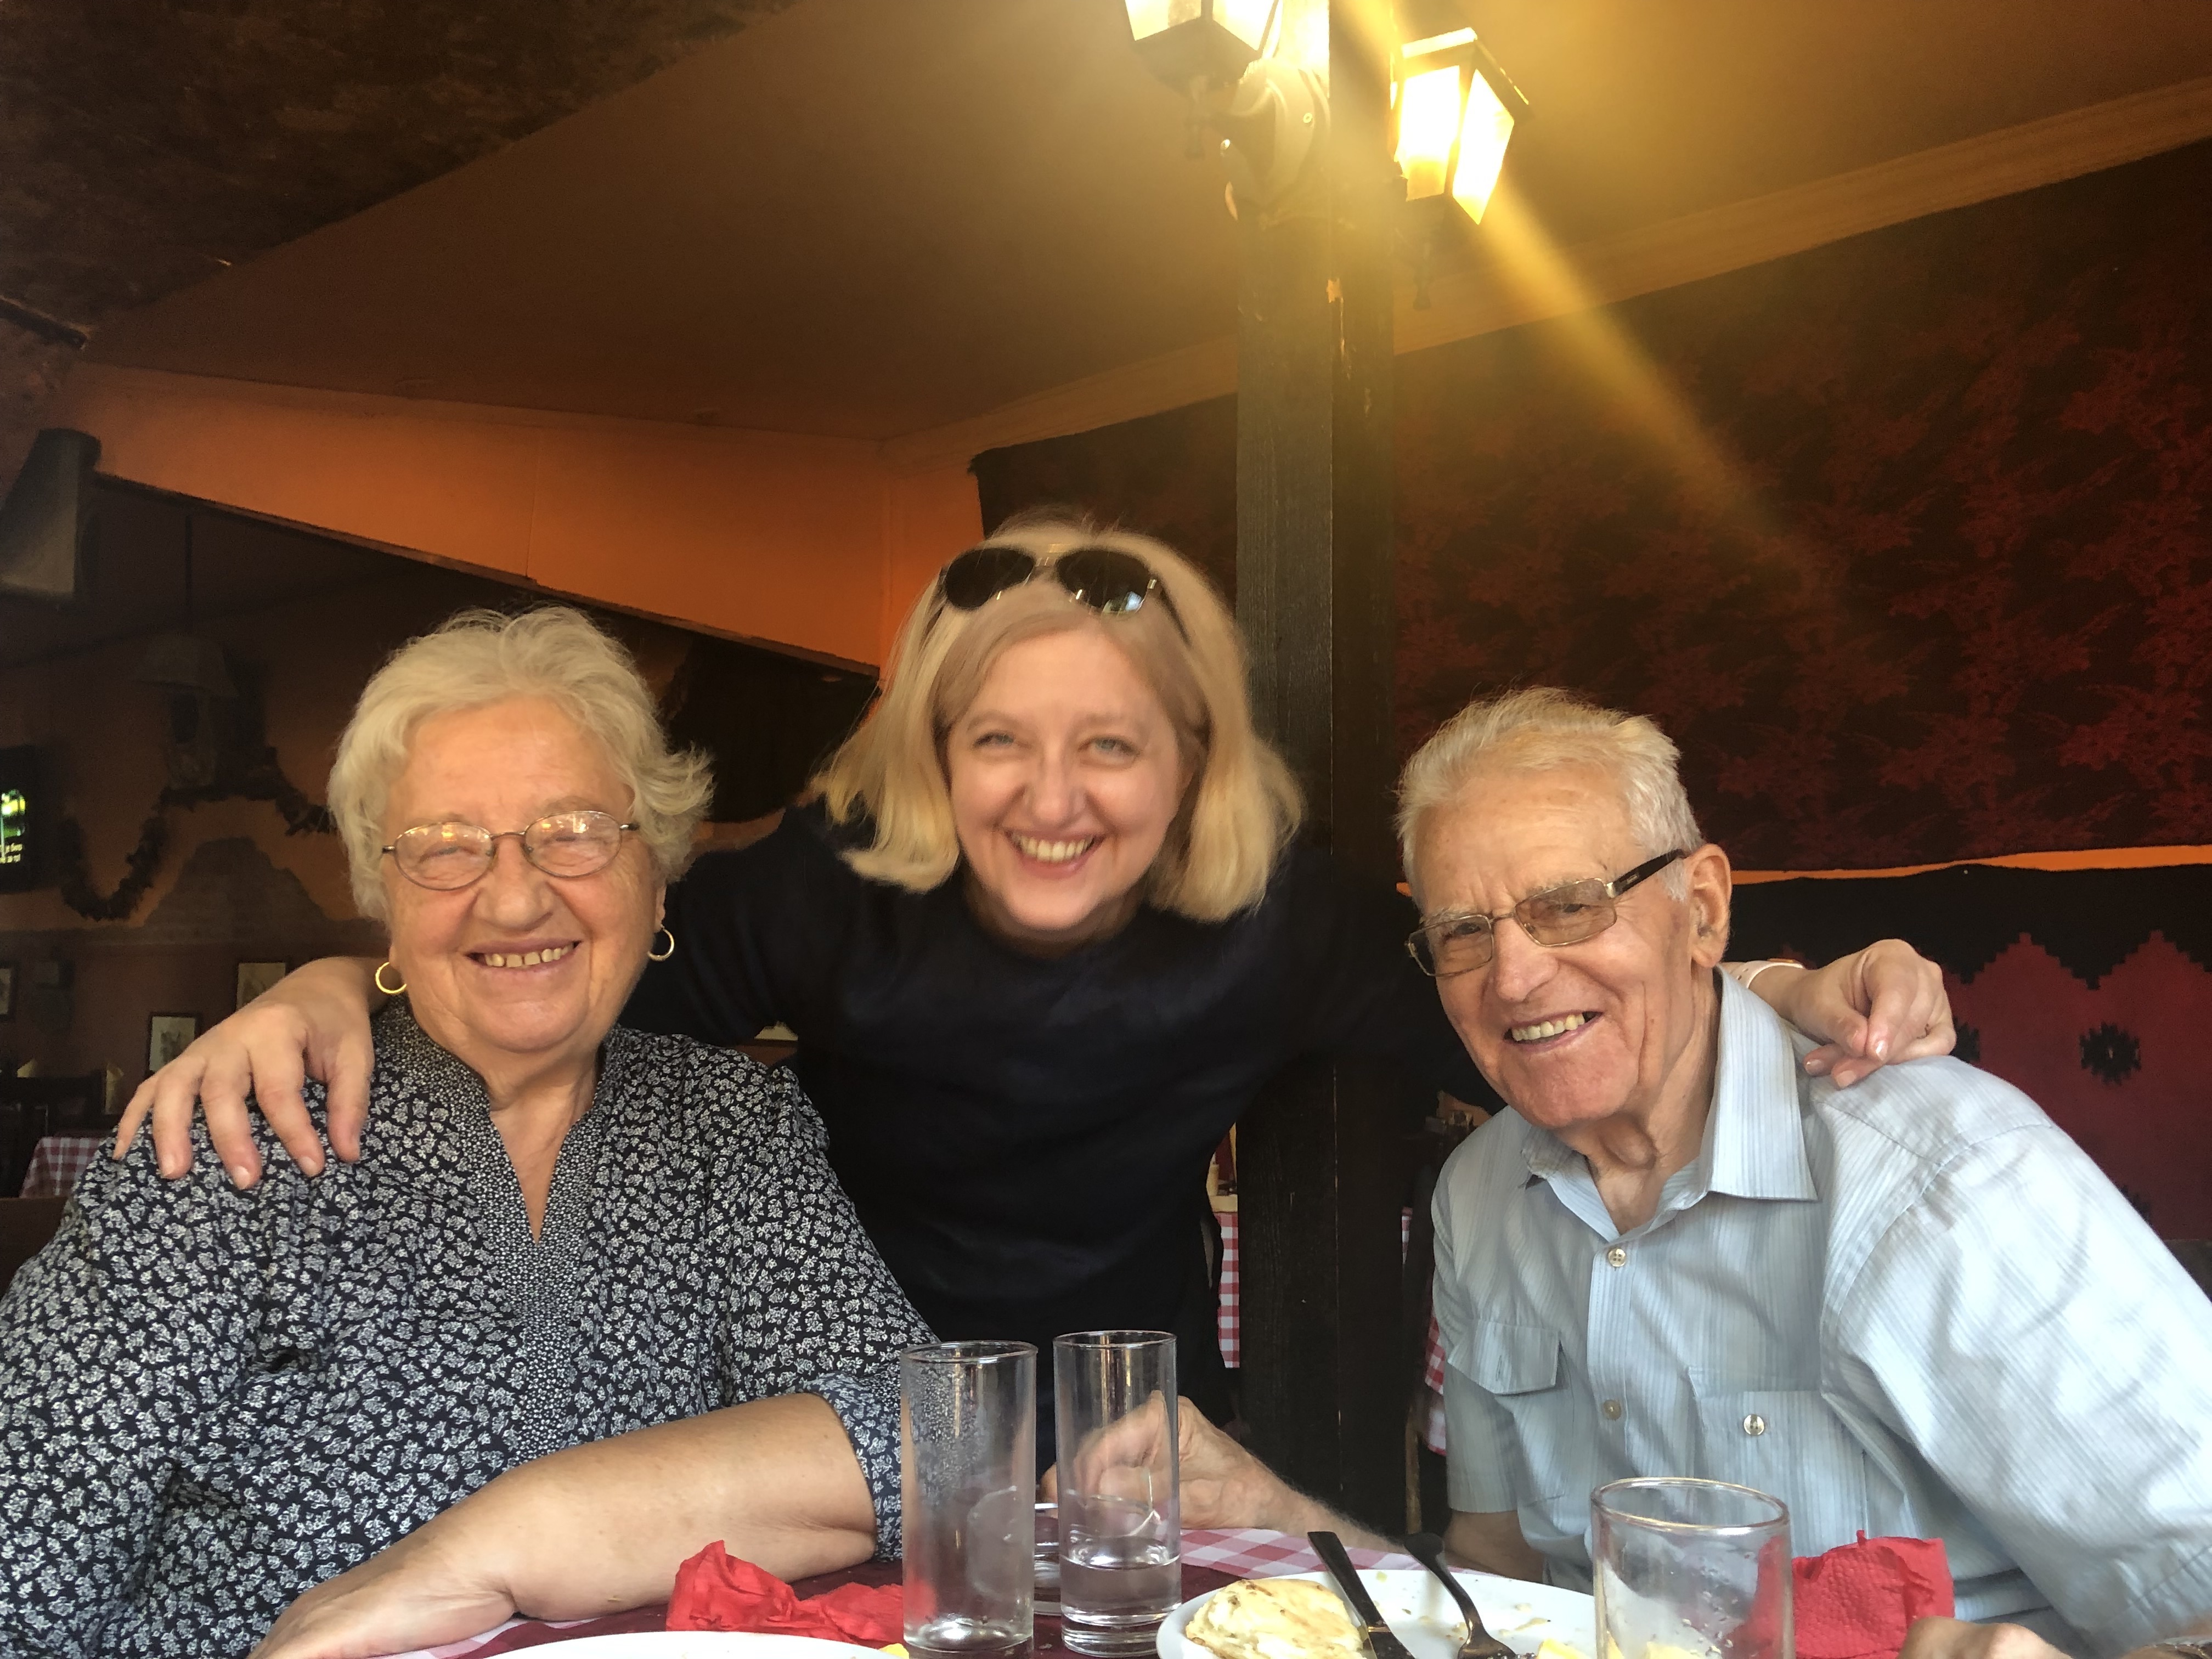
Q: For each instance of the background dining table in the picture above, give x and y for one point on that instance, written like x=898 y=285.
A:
x=56 y=1162
x=1210 y=1560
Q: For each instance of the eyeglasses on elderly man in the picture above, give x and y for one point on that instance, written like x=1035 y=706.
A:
x=1915 y=1309
x=1457 y=942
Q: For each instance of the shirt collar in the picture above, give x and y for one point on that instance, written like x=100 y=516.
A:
x=1755 y=1142
x=1755 y=1137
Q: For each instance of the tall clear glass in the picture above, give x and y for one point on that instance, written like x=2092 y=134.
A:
x=1691 y=1570
x=1120 y=1517
x=968 y=1445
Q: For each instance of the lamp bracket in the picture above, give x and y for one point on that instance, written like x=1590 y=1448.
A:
x=1274 y=117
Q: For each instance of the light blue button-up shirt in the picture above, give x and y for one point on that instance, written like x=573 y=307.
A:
x=1912 y=1308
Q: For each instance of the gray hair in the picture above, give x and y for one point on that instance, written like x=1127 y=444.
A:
x=478 y=658
x=1541 y=729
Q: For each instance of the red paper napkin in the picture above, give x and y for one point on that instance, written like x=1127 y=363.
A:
x=715 y=1591
x=1858 y=1600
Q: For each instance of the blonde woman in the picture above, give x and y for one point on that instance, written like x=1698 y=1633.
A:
x=1044 y=934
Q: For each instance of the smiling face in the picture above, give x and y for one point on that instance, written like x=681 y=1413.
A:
x=519 y=972
x=1575 y=1034
x=1066 y=777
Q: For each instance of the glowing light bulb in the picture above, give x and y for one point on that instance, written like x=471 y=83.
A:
x=1428 y=121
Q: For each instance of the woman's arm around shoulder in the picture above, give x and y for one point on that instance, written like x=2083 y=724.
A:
x=1882 y=1003
x=313 y=1023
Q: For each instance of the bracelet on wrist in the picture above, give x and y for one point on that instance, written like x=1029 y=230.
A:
x=1752 y=970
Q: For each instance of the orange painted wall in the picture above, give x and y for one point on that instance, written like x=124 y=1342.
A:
x=811 y=543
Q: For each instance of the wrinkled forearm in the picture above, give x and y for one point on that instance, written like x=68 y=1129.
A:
x=605 y=1527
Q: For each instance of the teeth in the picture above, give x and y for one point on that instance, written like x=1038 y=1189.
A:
x=1549 y=1028
x=1055 y=851
x=526 y=959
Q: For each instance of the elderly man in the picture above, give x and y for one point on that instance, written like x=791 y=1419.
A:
x=1914 y=1309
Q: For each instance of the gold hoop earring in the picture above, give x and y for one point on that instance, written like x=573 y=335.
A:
x=663 y=956
x=388 y=990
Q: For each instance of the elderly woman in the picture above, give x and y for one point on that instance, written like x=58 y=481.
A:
x=1044 y=936
x=558 y=1230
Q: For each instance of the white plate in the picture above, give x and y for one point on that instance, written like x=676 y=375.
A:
x=1422 y=1614
x=710 y=1645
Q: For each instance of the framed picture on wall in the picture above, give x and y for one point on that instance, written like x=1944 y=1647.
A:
x=167 y=1036
x=255 y=978
x=7 y=990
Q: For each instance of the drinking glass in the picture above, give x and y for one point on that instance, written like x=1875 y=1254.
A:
x=1121 y=1527
x=1046 y=1558
x=968 y=1446
x=1691 y=1570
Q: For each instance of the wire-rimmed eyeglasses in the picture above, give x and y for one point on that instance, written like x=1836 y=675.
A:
x=452 y=854
x=1461 y=942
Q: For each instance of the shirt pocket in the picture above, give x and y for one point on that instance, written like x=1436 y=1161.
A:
x=1518 y=1366
x=1791 y=1444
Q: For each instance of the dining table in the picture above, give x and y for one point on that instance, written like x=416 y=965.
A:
x=56 y=1162
x=1210 y=1558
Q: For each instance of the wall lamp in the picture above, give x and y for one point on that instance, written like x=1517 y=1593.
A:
x=1453 y=108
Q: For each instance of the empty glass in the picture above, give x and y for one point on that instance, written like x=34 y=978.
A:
x=1690 y=1569
x=1121 y=1531
x=968 y=1445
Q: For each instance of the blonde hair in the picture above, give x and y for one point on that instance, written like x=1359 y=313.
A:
x=478 y=658
x=1237 y=813
x=1539 y=730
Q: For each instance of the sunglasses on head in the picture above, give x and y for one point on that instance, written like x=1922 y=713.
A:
x=1109 y=581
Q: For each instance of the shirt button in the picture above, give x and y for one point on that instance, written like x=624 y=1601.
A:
x=1612 y=1409
x=1616 y=1257
x=1754 y=1424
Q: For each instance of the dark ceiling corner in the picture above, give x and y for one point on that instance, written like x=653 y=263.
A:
x=147 y=144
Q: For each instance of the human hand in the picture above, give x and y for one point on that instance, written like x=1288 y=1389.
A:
x=1222 y=1483
x=1954 y=1639
x=1883 y=1004
x=313 y=1022
x=417 y=1593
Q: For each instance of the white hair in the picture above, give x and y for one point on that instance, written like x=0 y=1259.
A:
x=1540 y=730
x=478 y=658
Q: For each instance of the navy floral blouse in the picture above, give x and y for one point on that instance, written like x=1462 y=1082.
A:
x=211 y=1400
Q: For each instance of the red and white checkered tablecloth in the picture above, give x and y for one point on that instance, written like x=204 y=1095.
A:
x=1226 y=1326
x=55 y=1163
x=1255 y=1553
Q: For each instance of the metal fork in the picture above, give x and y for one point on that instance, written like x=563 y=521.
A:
x=1381 y=1644
x=1478 y=1643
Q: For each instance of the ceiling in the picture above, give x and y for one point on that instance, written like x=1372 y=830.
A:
x=869 y=217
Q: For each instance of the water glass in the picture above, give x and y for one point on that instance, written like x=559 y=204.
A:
x=1046 y=1560
x=1121 y=1525
x=1691 y=1570
x=968 y=1446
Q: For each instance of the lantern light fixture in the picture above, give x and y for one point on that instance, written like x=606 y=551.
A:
x=1455 y=111
x=1453 y=108
x=1197 y=44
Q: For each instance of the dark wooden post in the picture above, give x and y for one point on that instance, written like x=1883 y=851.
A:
x=1322 y=1162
